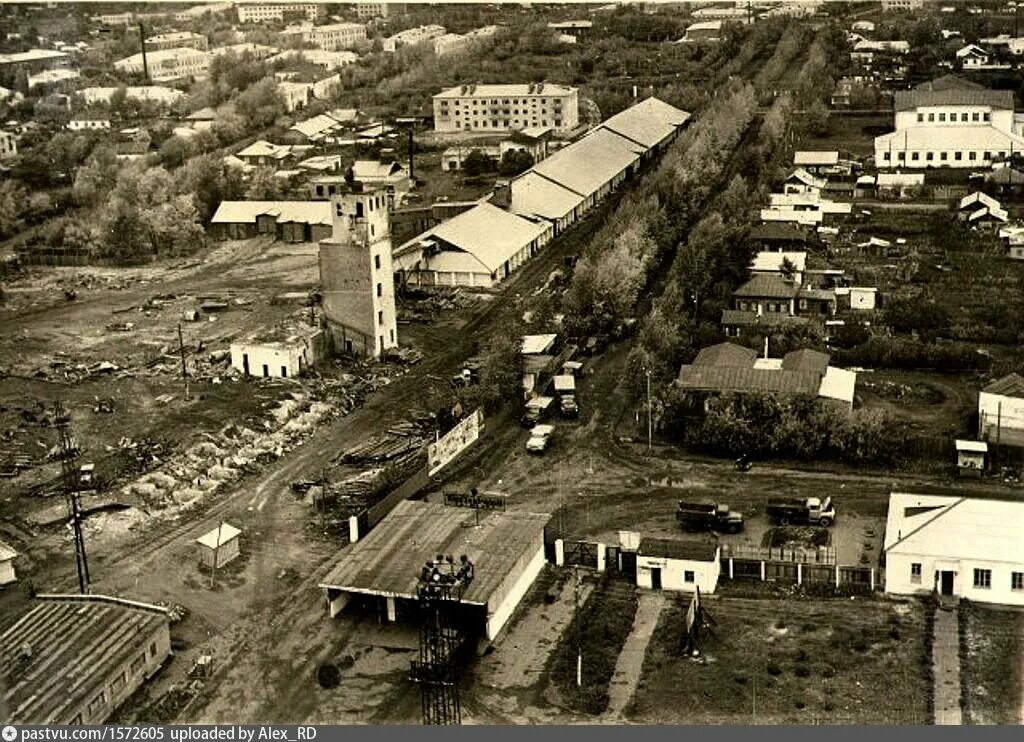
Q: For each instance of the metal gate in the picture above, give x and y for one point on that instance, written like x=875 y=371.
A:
x=580 y=553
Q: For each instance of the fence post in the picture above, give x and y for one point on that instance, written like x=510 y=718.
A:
x=602 y=557
x=730 y=568
x=762 y=570
x=799 y=573
x=872 y=579
x=559 y=552
x=837 y=574
x=353 y=528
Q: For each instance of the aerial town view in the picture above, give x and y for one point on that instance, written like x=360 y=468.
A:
x=655 y=363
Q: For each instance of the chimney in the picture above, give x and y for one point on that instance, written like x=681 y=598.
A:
x=502 y=196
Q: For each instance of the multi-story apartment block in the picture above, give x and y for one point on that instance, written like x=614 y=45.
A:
x=379 y=10
x=167 y=64
x=413 y=36
x=177 y=40
x=336 y=36
x=506 y=107
x=262 y=12
x=357 y=275
x=453 y=43
x=950 y=122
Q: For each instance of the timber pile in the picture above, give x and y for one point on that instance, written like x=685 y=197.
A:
x=397 y=444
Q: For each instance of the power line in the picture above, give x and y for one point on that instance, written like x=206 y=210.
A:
x=70 y=478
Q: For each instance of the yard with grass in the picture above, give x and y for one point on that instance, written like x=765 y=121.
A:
x=990 y=662
x=790 y=662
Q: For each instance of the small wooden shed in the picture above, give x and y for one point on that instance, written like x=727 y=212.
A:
x=219 y=546
x=970 y=458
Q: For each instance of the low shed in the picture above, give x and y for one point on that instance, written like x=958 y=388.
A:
x=73 y=659
x=970 y=457
x=678 y=564
x=219 y=546
x=7 y=556
x=506 y=549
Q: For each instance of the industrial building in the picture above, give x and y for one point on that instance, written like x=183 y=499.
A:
x=357 y=276
x=73 y=659
x=177 y=40
x=167 y=64
x=289 y=221
x=959 y=546
x=479 y=247
x=506 y=549
x=501 y=108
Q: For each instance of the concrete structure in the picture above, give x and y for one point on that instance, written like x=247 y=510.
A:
x=74 y=659
x=220 y=545
x=282 y=353
x=263 y=12
x=357 y=275
x=7 y=557
x=504 y=107
x=177 y=40
x=1001 y=411
x=506 y=550
x=969 y=547
x=289 y=221
x=167 y=64
x=453 y=43
x=8 y=144
x=294 y=94
x=727 y=367
x=678 y=564
x=950 y=122
x=479 y=247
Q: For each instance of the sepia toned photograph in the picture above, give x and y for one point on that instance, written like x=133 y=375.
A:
x=517 y=363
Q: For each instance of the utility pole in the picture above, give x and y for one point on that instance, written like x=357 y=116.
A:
x=323 y=497
x=70 y=480
x=145 y=62
x=216 y=553
x=650 y=426
x=181 y=351
x=576 y=617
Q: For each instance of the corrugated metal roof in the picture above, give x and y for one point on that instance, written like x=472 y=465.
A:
x=908 y=100
x=1011 y=385
x=245 y=212
x=649 y=122
x=975 y=529
x=738 y=317
x=534 y=194
x=75 y=641
x=591 y=163
x=389 y=559
x=694 y=550
x=739 y=379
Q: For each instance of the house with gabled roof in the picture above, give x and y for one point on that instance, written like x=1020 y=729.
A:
x=980 y=209
x=1001 y=411
x=970 y=547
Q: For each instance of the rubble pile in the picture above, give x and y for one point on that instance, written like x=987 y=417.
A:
x=398 y=443
x=424 y=305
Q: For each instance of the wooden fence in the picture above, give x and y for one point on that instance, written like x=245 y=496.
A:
x=819 y=555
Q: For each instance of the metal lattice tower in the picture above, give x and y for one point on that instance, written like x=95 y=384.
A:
x=69 y=475
x=439 y=592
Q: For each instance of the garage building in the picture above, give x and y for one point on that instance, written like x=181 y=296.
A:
x=506 y=549
x=73 y=659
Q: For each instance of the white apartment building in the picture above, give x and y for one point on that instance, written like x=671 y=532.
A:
x=950 y=122
x=336 y=36
x=262 y=12
x=177 y=40
x=506 y=107
x=413 y=36
x=167 y=64
x=453 y=43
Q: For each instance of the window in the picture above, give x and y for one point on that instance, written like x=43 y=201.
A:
x=972 y=155
x=914 y=156
x=380 y=318
x=688 y=575
x=1017 y=581
x=885 y=155
x=376 y=262
x=929 y=156
x=138 y=663
x=983 y=578
x=988 y=155
x=931 y=117
x=901 y=155
x=392 y=336
x=942 y=156
x=986 y=116
x=942 y=117
x=915 y=573
x=963 y=117
x=920 y=117
x=975 y=116
x=380 y=289
x=958 y=156
x=120 y=681
x=97 y=703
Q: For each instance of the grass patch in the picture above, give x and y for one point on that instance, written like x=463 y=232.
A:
x=990 y=650
x=602 y=625
x=811 y=661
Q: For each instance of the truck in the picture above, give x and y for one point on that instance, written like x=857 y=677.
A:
x=694 y=516
x=537 y=409
x=802 y=511
x=540 y=438
x=565 y=388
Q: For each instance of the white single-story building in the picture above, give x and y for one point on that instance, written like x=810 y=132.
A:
x=863 y=297
x=963 y=546
x=7 y=556
x=1001 y=411
x=280 y=357
x=219 y=546
x=970 y=457
x=678 y=564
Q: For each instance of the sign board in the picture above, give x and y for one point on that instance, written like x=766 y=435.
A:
x=454 y=442
x=691 y=612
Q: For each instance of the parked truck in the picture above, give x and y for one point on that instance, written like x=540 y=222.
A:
x=694 y=516
x=565 y=388
x=537 y=410
x=802 y=511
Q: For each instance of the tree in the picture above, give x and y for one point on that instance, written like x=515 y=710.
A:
x=515 y=161
x=477 y=163
x=260 y=104
x=96 y=178
x=264 y=185
x=818 y=116
x=13 y=204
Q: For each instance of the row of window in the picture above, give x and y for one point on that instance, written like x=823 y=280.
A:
x=505 y=101
x=957 y=156
x=976 y=116
x=499 y=124
x=118 y=684
x=982 y=578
